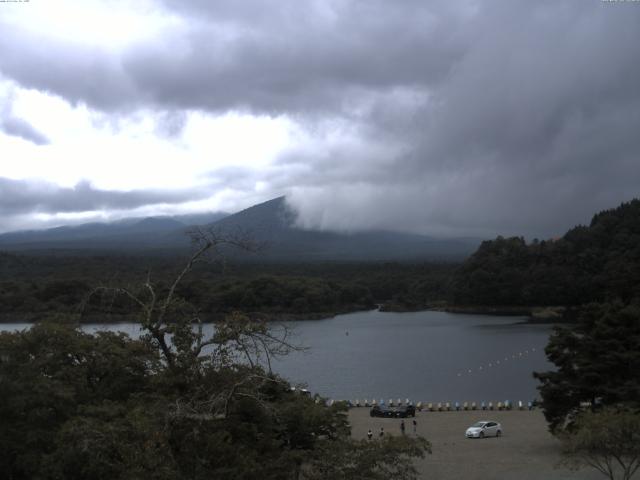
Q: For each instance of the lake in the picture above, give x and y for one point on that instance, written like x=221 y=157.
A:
x=424 y=356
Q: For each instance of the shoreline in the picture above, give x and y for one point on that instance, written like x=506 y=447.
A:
x=211 y=318
x=533 y=314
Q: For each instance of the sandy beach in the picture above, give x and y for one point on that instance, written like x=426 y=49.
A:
x=526 y=451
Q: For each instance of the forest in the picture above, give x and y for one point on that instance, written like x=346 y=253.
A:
x=594 y=263
x=32 y=286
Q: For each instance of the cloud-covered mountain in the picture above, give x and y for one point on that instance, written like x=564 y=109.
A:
x=271 y=223
x=274 y=224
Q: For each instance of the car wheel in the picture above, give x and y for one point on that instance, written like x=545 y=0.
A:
x=498 y=433
x=481 y=435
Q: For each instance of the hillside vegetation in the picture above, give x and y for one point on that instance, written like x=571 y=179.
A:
x=33 y=286
x=591 y=263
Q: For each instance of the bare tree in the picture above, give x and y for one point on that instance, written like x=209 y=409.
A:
x=175 y=328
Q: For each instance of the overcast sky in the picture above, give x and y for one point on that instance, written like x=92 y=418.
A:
x=440 y=117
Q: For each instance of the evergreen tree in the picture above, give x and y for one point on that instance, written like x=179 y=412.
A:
x=597 y=361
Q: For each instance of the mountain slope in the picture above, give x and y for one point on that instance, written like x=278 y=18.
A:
x=128 y=233
x=272 y=223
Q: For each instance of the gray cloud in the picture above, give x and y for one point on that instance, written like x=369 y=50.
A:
x=19 y=197
x=509 y=117
x=171 y=123
x=20 y=128
x=533 y=131
x=298 y=57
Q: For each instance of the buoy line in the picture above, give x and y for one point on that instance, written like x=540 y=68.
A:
x=498 y=362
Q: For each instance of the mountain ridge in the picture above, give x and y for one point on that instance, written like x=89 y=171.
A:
x=125 y=229
x=271 y=223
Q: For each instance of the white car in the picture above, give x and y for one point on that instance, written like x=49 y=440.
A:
x=483 y=429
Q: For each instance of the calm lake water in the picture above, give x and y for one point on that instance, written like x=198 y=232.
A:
x=423 y=356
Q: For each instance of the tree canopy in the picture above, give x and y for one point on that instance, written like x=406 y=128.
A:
x=597 y=363
x=596 y=263
x=607 y=440
x=173 y=404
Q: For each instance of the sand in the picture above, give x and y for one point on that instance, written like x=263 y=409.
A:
x=526 y=450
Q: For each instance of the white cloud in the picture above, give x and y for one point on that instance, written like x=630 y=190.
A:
x=126 y=152
x=111 y=24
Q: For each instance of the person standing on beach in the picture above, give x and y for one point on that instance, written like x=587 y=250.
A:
x=402 y=427
x=369 y=434
x=415 y=426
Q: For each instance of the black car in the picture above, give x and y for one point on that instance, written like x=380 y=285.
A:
x=382 y=411
x=400 y=412
x=406 y=411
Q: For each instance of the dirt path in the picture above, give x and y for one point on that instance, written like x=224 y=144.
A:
x=526 y=451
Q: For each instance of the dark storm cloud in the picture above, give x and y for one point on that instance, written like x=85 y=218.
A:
x=77 y=72
x=297 y=57
x=533 y=131
x=19 y=197
x=443 y=117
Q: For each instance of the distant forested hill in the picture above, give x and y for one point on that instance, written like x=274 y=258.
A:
x=598 y=262
x=33 y=287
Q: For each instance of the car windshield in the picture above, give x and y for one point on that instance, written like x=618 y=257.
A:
x=478 y=425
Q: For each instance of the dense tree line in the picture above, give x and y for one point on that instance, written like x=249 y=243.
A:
x=599 y=262
x=31 y=286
